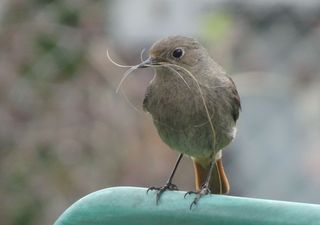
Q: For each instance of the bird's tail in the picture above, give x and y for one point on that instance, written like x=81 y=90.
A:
x=219 y=183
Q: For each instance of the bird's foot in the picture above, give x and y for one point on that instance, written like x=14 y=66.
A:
x=168 y=186
x=204 y=191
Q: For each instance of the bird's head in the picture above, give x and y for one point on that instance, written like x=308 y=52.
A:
x=175 y=50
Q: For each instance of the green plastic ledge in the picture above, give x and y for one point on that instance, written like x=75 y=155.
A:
x=132 y=205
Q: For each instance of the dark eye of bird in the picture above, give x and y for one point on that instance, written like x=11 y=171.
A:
x=177 y=53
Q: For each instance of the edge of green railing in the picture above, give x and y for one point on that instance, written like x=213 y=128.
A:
x=132 y=205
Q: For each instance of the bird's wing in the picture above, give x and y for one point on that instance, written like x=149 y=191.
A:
x=235 y=98
x=145 y=103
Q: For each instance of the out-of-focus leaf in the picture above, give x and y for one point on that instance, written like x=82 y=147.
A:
x=216 y=25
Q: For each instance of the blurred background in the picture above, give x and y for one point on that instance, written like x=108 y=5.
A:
x=64 y=132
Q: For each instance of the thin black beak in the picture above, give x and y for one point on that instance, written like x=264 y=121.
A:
x=148 y=62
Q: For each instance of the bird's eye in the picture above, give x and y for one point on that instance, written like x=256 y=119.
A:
x=177 y=53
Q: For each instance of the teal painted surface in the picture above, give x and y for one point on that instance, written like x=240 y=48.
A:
x=129 y=205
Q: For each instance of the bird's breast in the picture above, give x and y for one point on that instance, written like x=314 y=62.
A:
x=182 y=120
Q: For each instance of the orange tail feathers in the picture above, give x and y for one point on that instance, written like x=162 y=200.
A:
x=219 y=183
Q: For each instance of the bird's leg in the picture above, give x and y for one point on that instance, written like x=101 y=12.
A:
x=169 y=185
x=204 y=188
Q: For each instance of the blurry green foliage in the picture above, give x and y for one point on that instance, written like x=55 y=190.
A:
x=64 y=61
x=68 y=63
x=69 y=17
x=216 y=25
x=21 y=12
x=45 y=154
x=45 y=42
x=16 y=182
x=44 y=2
x=27 y=206
x=27 y=210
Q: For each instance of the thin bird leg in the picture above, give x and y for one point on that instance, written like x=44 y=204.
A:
x=204 y=188
x=169 y=185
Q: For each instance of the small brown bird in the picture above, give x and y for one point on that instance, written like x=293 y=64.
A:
x=194 y=105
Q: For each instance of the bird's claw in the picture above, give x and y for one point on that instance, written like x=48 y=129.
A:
x=189 y=193
x=160 y=190
x=204 y=191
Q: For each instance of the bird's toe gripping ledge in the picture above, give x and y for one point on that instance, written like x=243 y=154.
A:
x=131 y=205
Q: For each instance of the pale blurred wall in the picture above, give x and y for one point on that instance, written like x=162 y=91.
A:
x=65 y=132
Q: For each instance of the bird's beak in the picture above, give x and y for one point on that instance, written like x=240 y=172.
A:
x=148 y=63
